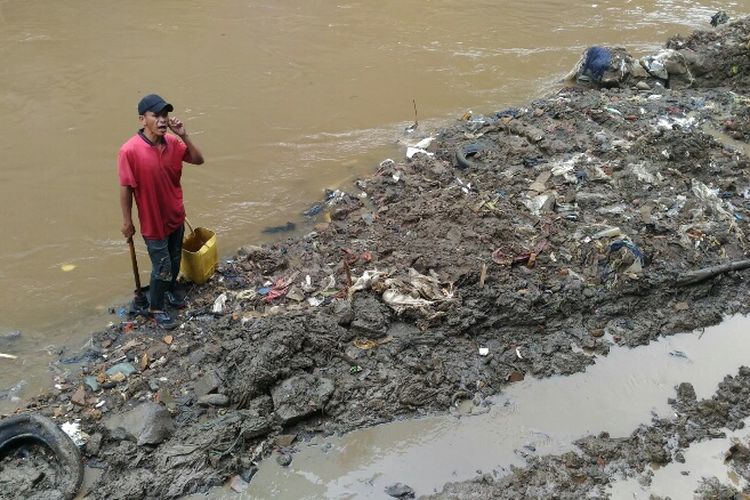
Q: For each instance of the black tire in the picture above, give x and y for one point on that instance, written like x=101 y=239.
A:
x=31 y=427
x=466 y=151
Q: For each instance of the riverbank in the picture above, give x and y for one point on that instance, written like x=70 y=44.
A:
x=514 y=244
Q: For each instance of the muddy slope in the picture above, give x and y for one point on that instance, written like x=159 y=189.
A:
x=516 y=243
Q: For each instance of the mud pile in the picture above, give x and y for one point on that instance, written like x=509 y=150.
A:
x=517 y=243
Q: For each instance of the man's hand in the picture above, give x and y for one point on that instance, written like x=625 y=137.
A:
x=128 y=230
x=176 y=126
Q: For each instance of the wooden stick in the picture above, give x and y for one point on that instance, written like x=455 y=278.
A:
x=693 y=277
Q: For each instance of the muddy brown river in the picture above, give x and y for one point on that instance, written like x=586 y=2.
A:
x=285 y=98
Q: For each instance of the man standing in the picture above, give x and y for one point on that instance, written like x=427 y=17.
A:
x=149 y=165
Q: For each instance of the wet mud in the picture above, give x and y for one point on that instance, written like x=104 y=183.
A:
x=30 y=470
x=600 y=459
x=512 y=244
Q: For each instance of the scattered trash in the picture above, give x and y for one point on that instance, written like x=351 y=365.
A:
x=412 y=151
x=73 y=430
x=597 y=61
x=484 y=351
x=465 y=187
x=220 y=303
x=721 y=17
x=399 y=302
x=289 y=226
x=125 y=369
x=607 y=233
x=364 y=344
x=466 y=152
x=67 y=267
x=540 y=203
x=634 y=264
x=417 y=291
x=280 y=287
x=247 y=295
x=399 y=490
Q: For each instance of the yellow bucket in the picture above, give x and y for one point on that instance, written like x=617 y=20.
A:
x=200 y=256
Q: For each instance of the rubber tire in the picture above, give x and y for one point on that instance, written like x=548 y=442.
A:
x=34 y=427
x=464 y=151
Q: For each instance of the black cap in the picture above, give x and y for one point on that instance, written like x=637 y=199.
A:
x=155 y=103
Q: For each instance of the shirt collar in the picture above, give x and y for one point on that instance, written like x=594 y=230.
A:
x=143 y=136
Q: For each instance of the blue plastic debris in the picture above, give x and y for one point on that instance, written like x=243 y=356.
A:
x=598 y=60
x=264 y=290
x=618 y=244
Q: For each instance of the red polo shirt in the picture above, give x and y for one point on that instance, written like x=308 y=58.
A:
x=154 y=172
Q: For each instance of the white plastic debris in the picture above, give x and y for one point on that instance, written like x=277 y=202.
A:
x=73 y=430
x=424 y=143
x=365 y=281
x=248 y=294
x=327 y=283
x=668 y=123
x=655 y=65
x=219 y=303
x=466 y=188
x=710 y=198
x=484 y=351
x=566 y=168
x=642 y=173
x=399 y=301
x=677 y=206
x=607 y=233
x=518 y=353
x=537 y=203
x=307 y=285
x=411 y=151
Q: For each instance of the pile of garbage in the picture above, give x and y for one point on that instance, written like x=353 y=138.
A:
x=519 y=243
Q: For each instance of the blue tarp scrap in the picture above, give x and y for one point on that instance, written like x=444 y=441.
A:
x=598 y=60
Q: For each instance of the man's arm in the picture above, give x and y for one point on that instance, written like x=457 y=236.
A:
x=176 y=126
x=196 y=158
x=126 y=203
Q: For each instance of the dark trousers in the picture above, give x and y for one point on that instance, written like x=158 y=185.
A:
x=165 y=266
